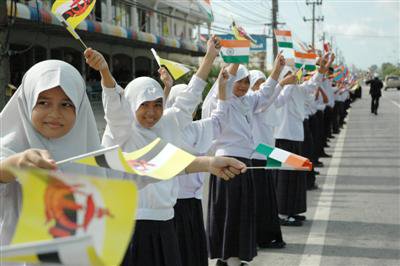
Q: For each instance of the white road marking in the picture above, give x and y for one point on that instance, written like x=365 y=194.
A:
x=315 y=242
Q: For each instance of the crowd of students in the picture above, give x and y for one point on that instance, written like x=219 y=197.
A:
x=49 y=118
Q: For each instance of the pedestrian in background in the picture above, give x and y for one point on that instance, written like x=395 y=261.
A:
x=375 y=91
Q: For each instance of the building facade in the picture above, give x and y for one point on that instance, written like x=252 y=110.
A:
x=122 y=30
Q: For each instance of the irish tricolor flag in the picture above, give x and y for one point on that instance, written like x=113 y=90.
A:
x=283 y=160
x=284 y=38
x=306 y=59
x=235 y=51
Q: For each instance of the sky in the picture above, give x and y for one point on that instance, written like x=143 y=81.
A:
x=365 y=32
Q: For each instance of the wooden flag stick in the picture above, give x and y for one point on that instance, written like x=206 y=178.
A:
x=279 y=168
x=93 y=153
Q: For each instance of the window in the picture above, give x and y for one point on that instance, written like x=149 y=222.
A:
x=122 y=69
x=142 y=66
x=144 y=20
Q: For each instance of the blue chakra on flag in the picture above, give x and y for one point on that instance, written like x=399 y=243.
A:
x=230 y=51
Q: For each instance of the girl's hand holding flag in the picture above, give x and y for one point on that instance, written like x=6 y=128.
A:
x=279 y=63
x=36 y=158
x=325 y=62
x=166 y=78
x=97 y=61
x=289 y=79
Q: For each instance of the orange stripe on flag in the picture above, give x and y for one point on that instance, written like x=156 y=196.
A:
x=305 y=55
x=235 y=43
x=296 y=161
x=287 y=33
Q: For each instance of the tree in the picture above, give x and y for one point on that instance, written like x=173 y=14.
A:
x=4 y=57
x=389 y=69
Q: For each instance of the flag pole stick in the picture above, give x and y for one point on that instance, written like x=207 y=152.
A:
x=93 y=153
x=279 y=168
x=82 y=43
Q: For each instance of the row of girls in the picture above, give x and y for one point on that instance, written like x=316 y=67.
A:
x=49 y=118
x=244 y=206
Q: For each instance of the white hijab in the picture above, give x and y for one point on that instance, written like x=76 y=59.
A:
x=18 y=133
x=168 y=128
x=256 y=75
x=240 y=104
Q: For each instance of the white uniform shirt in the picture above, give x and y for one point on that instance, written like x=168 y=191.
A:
x=329 y=91
x=236 y=138
x=191 y=185
x=157 y=200
x=292 y=113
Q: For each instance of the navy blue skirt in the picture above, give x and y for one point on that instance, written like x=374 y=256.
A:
x=231 y=221
x=291 y=186
x=153 y=243
x=267 y=219
x=190 y=230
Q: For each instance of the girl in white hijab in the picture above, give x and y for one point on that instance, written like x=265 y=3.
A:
x=291 y=185
x=231 y=213
x=269 y=234
x=135 y=117
x=188 y=218
x=49 y=118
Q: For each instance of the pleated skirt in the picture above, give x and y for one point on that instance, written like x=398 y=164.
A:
x=154 y=243
x=291 y=186
x=267 y=220
x=231 y=220
x=308 y=151
x=191 y=233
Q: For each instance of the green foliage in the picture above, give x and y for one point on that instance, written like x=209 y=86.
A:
x=389 y=69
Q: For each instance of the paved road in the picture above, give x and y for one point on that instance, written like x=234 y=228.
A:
x=354 y=218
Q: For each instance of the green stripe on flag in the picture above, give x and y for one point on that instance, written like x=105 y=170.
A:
x=285 y=44
x=236 y=59
x=264 y=150
x=273 y=163
x=306 y=67
x=267 y=150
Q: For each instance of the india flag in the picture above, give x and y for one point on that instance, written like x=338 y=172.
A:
x=283 y=160
x=284 y=38
x=205 y=6
x=235 y=51
x=306 y=59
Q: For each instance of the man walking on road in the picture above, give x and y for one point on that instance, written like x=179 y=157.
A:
x=375 y=91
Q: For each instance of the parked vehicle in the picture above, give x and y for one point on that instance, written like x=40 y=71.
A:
x=392 y=81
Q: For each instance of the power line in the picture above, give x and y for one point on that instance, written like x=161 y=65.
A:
x=313 y=19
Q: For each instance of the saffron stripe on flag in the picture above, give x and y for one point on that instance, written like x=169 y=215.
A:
x=235 y=43
x=283 y=33
x=305 y=55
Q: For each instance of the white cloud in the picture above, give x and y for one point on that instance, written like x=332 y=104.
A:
x=355 y=28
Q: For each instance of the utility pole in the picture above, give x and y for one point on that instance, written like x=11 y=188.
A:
x=4 y=57
x=313 y=19
x=274 y=26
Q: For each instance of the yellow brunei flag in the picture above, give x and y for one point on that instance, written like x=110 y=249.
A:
x=176 y=70
x=72 y=219
x=72 y=12
x=159 y=159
